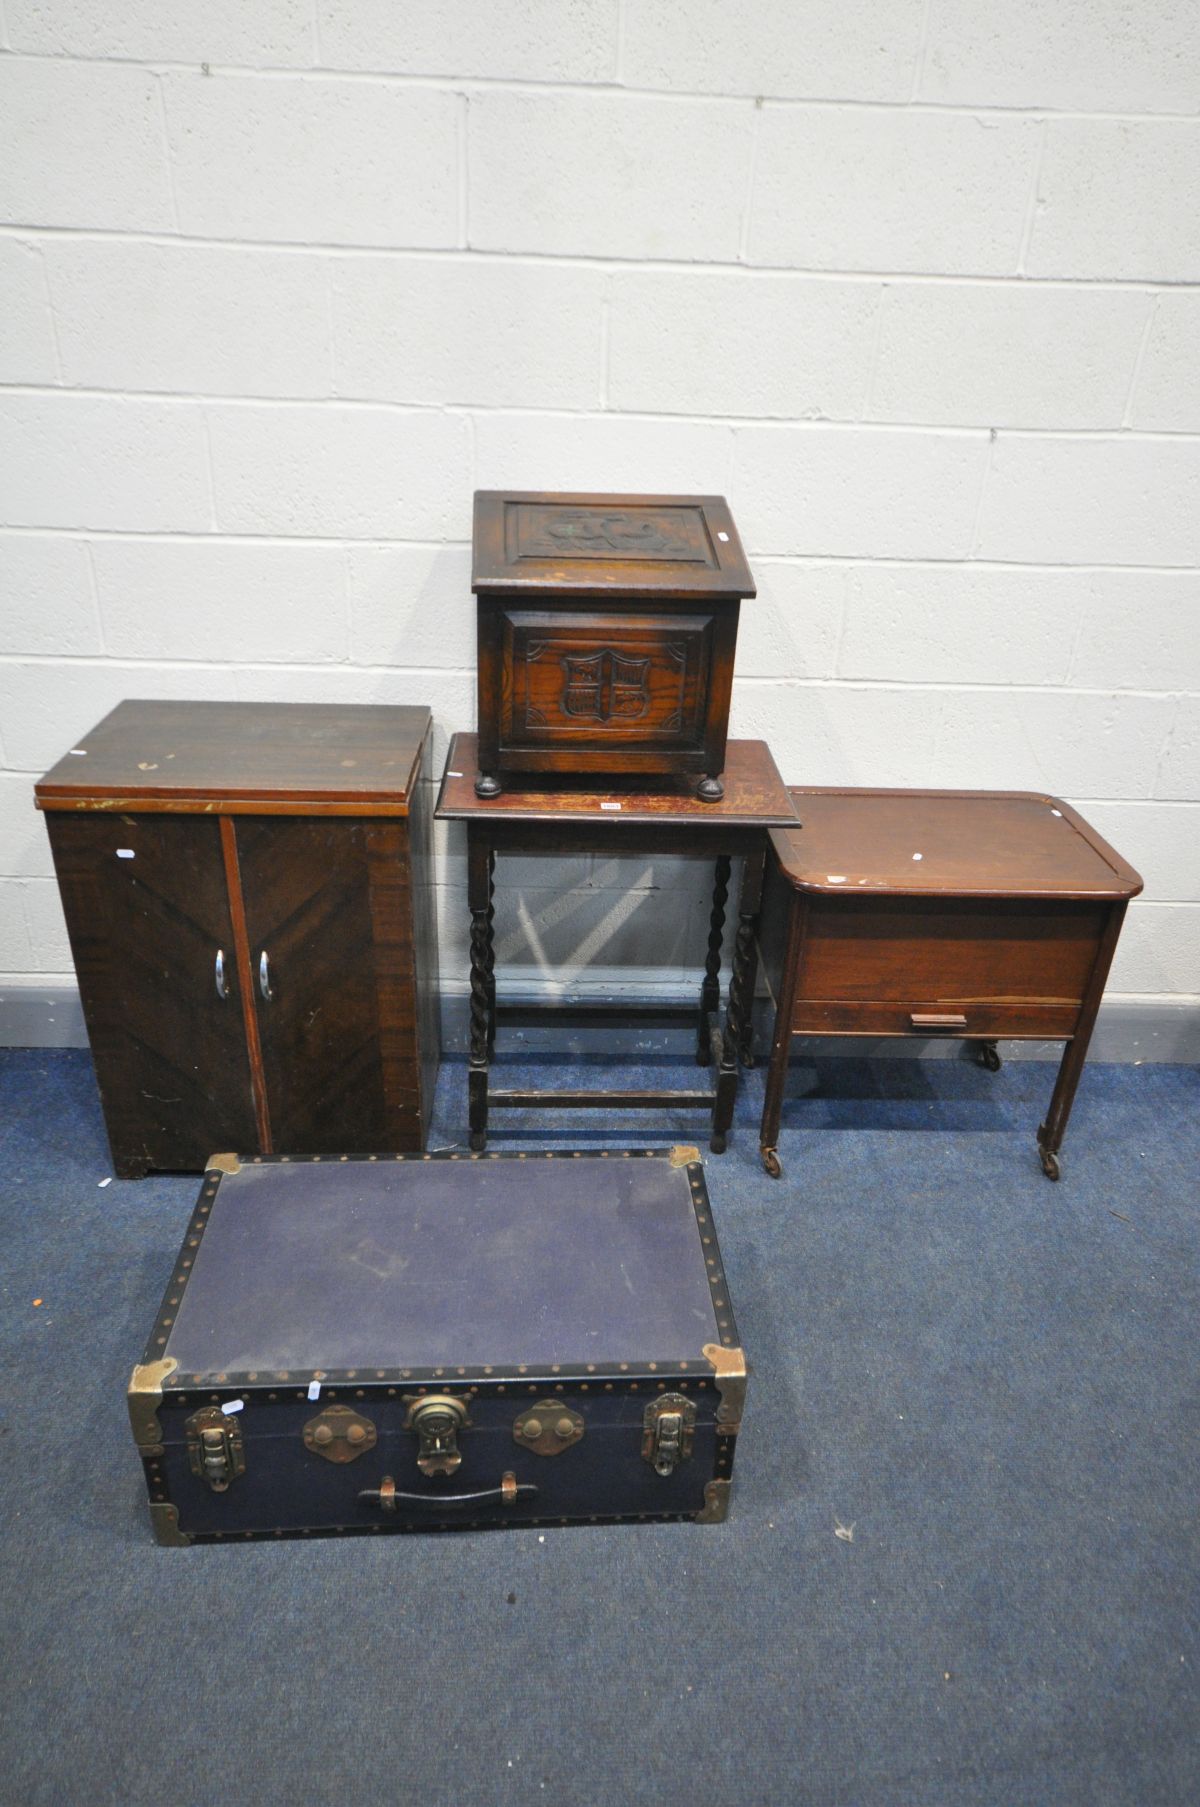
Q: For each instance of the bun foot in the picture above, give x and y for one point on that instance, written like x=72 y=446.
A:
x=487 y=785
x=710 y=790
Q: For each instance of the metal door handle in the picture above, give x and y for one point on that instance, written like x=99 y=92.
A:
x=264 y=976
x=222 y=983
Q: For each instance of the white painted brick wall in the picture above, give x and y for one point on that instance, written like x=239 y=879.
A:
x=821 y=49
x=1092 y=55
x=1001 y=356
x=890 y=188
x=187 y=319
x=440 y=330
x=266 y=32
x=778 y=346
x=516 y=40
x=607 y=175
x=916 y=284
x=318 y=160
x=103 y=461
x=81 y=144
x=27 y=349
x=1116 y=198
x=1167 y=398
x=331 y=471
x=861 y=492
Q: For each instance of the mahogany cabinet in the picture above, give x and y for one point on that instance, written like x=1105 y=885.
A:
x=607 y=627
x=248 y=894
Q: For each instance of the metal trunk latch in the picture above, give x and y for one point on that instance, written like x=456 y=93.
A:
x=214 y=1442
x=668 y=1424
x=437 y=1419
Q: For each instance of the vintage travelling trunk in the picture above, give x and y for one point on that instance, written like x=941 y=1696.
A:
x=367 y=1344
x=607 y=629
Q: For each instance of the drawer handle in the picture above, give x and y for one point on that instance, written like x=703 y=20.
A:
x=221 y=982
x=264 y=977
x=931 y=1020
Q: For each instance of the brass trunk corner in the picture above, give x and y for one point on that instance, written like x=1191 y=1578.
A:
x=716 y=1503
x=164 y=1521
x=145 y=1397
x=222 y=1163
x=683 y=1154
x=732 y=1374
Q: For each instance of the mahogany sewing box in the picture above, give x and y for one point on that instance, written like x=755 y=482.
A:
x=607 y=627
x=374 y=1343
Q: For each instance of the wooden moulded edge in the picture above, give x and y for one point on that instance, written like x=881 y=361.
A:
x=325 y=802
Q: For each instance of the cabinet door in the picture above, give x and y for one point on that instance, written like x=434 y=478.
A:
x=329 y=926
x=601 y=677
x=148 y=917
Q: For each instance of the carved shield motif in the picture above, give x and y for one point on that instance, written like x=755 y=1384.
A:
x=581 y=691
x=605 y=684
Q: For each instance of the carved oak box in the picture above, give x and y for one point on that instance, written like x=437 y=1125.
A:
x=372 y=1343
x=607 y=627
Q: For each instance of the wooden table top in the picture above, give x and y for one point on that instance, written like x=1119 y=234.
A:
x=947 y=843
x=234 y=758
x=755 y=794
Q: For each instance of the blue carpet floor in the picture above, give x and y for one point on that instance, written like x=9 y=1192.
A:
x=988 y=1379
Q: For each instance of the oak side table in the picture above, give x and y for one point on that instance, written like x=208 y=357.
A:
x=975 y=914
x=662 y=814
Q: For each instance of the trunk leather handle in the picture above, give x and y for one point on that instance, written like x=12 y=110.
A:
x=388 y=1498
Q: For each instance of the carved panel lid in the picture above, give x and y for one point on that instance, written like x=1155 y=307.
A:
x=528 y=541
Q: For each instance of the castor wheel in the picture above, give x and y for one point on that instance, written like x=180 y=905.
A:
x=771 y=1161
x=988 y=1056
x=717 y=1142
x=1050 y=1163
